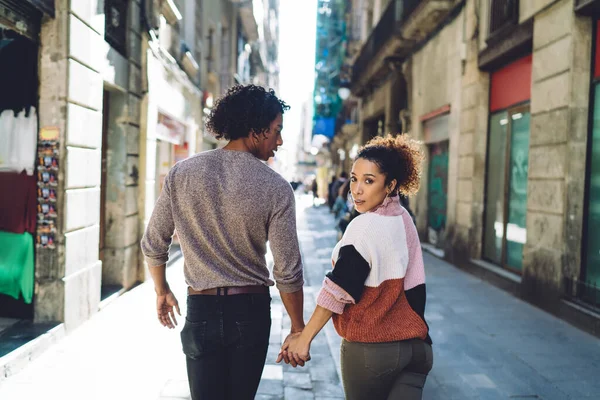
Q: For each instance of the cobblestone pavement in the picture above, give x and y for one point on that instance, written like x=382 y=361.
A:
x=487 y=344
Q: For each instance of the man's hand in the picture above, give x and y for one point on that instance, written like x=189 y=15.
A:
x=165 y=302
x=287 y=356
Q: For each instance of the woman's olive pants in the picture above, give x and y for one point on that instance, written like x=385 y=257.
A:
x=386 y=371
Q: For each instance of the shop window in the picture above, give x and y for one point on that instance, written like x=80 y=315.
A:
x=591 y=273
x=587 y=287
x=505 y=230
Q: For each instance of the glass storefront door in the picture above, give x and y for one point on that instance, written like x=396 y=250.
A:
x=506 y=188
x=592 y=256
x=437 y=192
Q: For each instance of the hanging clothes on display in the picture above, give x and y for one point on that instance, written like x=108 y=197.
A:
x=18 y=156
x=18 y=212
x=18 y=135
x=16 y=265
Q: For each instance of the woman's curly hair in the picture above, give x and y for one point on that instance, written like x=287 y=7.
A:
x=398 y=157
x=242 y=110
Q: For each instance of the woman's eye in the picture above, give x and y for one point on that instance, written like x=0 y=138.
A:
x=369 y=181
x=353 y=179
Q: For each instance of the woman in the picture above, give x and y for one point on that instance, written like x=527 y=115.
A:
x=225 y=205
x=376 y=290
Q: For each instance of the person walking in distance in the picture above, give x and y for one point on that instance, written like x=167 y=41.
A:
x=225 y=205
x=376 y=290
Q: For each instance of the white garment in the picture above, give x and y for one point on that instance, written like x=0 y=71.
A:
x=18 y=141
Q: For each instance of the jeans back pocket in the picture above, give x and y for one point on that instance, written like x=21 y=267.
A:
x=193 y=339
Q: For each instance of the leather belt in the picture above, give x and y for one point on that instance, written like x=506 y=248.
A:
x=230 y=290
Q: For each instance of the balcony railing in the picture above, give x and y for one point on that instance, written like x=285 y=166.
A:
x=503 y=15
x=388 y=26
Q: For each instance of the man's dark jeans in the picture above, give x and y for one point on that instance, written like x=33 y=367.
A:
x=225 y=340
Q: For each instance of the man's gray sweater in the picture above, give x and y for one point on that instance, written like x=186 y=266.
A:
x=225 y=205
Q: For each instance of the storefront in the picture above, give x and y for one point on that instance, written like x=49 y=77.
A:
x=590 y=269
x=28 y=163
x=437 y=138
x=505 y=212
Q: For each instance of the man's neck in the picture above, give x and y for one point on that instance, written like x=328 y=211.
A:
x=237 y=145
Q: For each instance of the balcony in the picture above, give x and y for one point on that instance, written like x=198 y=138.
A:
x=403 y=24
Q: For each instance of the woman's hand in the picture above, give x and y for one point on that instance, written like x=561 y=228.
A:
x=298 y=348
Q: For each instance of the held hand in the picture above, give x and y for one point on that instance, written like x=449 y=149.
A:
x=299 y=349
x=166 y=304
x=285 y=355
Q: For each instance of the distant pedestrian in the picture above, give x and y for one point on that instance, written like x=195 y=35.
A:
x=315 y=191
x=331 y=194
x=225 y=205
x=376 y=290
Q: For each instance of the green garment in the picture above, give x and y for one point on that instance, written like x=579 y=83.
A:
x=16 y=265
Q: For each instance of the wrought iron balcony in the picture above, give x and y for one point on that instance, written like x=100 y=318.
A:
x=503 y=16
x=388 y=26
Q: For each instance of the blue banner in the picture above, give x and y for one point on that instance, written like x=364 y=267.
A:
x=324 y=126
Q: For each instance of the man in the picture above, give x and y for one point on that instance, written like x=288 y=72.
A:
x=225 y=205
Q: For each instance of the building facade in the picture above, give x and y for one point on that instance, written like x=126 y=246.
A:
x=105 y=96
x=502 y=94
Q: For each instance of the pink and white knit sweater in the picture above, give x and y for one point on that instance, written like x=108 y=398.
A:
x=376 y=289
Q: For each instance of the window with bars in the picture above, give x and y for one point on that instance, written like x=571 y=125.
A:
x=115 y=24
x=504 y=14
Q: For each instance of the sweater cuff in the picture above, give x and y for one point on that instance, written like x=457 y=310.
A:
x=290 y=287
x=333 y=297
x=157 y=261
x=329 y=302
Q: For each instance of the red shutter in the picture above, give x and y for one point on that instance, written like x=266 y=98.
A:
x=511 y=84
x=597 y=51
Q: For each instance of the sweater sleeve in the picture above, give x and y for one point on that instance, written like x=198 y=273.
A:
x=157 y=238
x=283 y=240
x=414 y=281
x=346 y=282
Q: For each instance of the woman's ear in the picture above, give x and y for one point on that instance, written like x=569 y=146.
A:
x=393 y=186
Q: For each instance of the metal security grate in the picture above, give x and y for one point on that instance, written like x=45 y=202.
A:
x=504 y=13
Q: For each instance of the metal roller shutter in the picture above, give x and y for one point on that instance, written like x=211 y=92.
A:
x=21 y=17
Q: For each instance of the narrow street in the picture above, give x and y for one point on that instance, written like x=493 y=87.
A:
x=487 y=344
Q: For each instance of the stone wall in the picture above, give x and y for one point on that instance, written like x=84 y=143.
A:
x=123 y=85
x=435 y=82
x=68 y=277
x=559 y=125
x=464 y=236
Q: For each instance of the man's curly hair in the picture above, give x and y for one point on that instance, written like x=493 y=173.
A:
x=242 y=110
x=398 y=157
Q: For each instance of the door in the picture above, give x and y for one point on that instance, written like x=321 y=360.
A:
x=506 y=188
x=437 y=192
